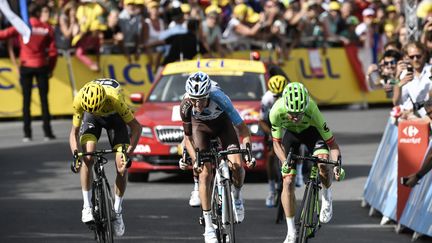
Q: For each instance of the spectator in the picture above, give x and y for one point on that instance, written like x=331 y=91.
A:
x=384 y=74
x=244 y=23
x=183 y=45
x=365 y=31
x=112 y=36
x=156 y=26
x=89 y=15
x=332 y=19
x=134 y=28
x=414 y=85
x=348 y=35
x=426 y=38
x=212 y=31
x=313 y=31
x=38 y=58
x=68 y=26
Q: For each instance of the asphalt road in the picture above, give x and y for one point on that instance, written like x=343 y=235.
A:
x=40 y=198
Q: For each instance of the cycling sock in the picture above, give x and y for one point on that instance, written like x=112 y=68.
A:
x=207 y=220
x=326 y=193
x=299 y=170
x=272 y=186
x=196 y=186
x=291 y=225
x=87 y=195
x=117 y=204
x=236 y=192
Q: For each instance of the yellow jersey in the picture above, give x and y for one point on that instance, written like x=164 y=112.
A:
x=114 y=103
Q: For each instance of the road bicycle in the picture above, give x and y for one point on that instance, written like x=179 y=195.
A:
x=222 y=203
x=102 y=200
x=308 y=216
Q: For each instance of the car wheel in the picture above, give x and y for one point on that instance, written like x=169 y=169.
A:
x=138 y=177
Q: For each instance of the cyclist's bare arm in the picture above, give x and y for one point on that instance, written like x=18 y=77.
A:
x=244 y=133
x=190 y=147
x=279 y=149
x=73 y=138
x=135 y=134
x=264 y=126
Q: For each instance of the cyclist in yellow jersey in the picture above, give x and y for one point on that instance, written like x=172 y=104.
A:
x=100 y=104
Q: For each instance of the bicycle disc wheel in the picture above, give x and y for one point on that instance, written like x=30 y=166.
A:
x=107 y=213
x=229 y=226
x=306 y=216
x=216 y=207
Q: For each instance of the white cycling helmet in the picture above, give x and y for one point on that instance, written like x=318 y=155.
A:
x=198 y=85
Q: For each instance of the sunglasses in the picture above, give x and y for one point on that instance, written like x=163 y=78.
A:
x=200 y=100
x=296 y=114
x=390 y=63
x=418 y=56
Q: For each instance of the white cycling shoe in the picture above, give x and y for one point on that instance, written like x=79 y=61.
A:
x=119 y=226
x=271 y=200
x=239 y=211
x=210 y=236
x=290 y=238
x=194 y=200
x=87 y=215
x=326 y=211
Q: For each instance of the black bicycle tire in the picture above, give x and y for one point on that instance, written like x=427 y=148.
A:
x=229 y=199
x=96 y=195
x=305 y=211
x=216 y=212
x=107 y=213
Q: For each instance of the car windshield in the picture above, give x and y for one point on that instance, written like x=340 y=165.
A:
x=247 y=87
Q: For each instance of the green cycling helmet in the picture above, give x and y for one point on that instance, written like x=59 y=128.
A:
x=296 y=97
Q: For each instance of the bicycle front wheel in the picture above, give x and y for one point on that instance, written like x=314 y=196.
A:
x=107 y=213
x=216 y=207
x=228 y=210
x=308 y=213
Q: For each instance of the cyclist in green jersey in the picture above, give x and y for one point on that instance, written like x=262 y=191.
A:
x=299 y=116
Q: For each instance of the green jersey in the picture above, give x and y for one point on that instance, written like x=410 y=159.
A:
x=312 y=117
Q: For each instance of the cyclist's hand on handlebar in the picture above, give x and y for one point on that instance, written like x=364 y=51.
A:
x=338 y=171
x=251 y=163
x=197 y=169
x=250 y=160
x=76 y=163
x=183 y=164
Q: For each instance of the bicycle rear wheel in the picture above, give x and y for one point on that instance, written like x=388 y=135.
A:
x=308 y=214
x=228 y=206
x=107 y=212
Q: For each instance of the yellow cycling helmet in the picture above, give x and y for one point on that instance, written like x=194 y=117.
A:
x=276 y=84
x=93 y=97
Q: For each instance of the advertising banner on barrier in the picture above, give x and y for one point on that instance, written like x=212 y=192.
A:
x=413 y=139
x=380 y=190
x=418 y=210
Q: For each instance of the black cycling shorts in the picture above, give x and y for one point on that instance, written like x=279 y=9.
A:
x=310 y=137
x=91 y=129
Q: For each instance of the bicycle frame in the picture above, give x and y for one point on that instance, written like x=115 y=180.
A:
x=222 y=203
x=310 y=206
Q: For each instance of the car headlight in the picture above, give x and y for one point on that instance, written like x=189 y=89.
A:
x=255 y=129
x=146 y=132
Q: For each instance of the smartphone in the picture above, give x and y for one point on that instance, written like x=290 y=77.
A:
x=374 y=77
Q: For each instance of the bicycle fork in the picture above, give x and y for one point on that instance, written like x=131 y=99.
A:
x=222 y=183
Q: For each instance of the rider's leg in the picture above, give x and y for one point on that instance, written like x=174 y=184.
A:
x=272 y=176
x=120 y=182
x=205 y=178
x=289 y=202
x=86 y=174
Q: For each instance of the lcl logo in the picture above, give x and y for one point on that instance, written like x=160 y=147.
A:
x=410 y=131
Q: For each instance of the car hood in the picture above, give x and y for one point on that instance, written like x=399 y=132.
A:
x=158 y=113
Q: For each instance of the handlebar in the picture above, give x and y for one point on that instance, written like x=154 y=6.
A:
x=223 y=154
x=291 y=157
x=76 y=163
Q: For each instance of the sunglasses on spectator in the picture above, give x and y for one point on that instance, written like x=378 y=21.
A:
x=393 y=62
x=418 y=56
